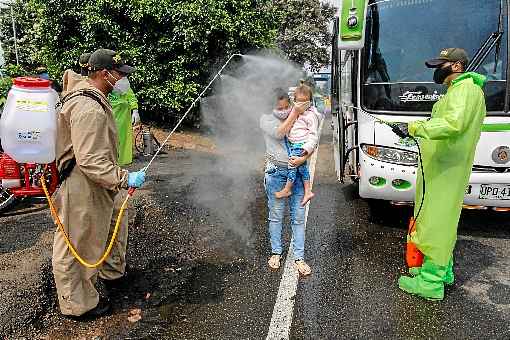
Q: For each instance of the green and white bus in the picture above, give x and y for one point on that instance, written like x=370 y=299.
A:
x=378 y=71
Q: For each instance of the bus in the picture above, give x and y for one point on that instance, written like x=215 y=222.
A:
x=382 y=77
x=322 y=86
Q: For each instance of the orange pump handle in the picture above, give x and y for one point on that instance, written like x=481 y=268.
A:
x=412 y=226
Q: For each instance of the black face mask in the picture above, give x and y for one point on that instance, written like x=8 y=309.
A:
x=440 y=74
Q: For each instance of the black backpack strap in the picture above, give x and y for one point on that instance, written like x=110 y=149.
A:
x=85 y=93
x=68 y=167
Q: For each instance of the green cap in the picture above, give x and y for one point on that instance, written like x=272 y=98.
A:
x=110 y=60
x=453 y=54
x=84 y=60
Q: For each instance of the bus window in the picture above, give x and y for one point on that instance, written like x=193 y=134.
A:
x=402 y=34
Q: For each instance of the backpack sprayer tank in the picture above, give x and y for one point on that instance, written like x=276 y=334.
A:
x=28 y=124
x=28 y=135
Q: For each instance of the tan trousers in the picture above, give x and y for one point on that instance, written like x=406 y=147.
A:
x=75 y=283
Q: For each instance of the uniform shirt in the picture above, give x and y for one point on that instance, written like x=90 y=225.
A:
x=87 y=132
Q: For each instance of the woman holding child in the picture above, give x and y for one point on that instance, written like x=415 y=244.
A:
x=291 y=136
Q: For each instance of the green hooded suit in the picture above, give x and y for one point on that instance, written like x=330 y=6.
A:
x=448 y=142
x=122 y=105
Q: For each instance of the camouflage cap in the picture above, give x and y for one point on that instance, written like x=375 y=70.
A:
x=453 y=54
x=84 y=60
x=109 y=60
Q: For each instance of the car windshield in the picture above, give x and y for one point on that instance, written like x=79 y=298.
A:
x=402 y=34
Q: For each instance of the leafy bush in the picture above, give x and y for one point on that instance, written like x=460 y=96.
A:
x=5 y=86
x=175 y=44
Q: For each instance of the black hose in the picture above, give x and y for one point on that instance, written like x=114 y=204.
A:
x=421 y=165
x=423 y=183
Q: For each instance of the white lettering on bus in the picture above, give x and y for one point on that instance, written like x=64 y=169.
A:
x=418 y=96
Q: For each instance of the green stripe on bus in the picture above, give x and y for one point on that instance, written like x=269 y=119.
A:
x=496 y=127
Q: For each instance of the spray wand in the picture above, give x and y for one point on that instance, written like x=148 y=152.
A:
x=188 y=111
x=158 y=151
x=131 y=191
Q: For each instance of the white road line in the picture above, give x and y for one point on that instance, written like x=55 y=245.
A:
x=283 y=311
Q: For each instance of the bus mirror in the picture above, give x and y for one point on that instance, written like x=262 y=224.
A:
x=352 y=24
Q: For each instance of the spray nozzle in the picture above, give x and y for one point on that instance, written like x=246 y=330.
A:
x=400 y=129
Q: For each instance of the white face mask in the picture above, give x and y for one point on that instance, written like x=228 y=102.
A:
x=121 y=86
x=281 y=114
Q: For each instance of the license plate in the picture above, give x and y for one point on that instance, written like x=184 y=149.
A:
x=495 y=192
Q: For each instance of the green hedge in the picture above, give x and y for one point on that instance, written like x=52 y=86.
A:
x=175 y=44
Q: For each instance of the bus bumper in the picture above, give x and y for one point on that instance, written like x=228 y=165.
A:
x=392 y=174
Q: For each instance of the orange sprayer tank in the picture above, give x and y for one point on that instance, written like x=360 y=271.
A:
x=414 y=257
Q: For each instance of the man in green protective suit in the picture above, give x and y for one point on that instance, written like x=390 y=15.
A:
x=448 y=142
x=125 y=111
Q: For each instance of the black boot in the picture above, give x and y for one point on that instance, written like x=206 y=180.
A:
x=117 y=283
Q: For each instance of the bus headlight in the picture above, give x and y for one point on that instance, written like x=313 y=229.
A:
x=390 y=155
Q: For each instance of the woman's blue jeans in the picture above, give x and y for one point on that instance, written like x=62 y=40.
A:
x=274 y=180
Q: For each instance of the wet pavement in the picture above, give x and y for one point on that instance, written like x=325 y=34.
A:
x=356 y=249
x=200 y=273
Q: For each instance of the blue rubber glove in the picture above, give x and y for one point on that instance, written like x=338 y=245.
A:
x=136 y=179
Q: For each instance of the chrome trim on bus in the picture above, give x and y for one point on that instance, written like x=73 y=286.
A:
x=492 y=169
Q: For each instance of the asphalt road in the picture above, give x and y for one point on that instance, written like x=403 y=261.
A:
x=356 y=250
x=201 y=273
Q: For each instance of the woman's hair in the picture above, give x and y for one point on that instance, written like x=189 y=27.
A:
x=304 y=90
x=281 y=94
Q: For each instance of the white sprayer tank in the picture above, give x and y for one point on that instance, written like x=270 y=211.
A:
x=28 y=126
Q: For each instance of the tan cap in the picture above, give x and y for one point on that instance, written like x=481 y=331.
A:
x=453 y=54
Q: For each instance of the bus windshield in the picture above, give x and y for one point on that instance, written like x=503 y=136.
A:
x=402 y=34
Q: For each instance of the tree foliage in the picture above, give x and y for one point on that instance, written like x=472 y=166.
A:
x=304 y=33
x=174 y=44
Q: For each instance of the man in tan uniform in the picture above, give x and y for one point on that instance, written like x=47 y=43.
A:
x=94 y=186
